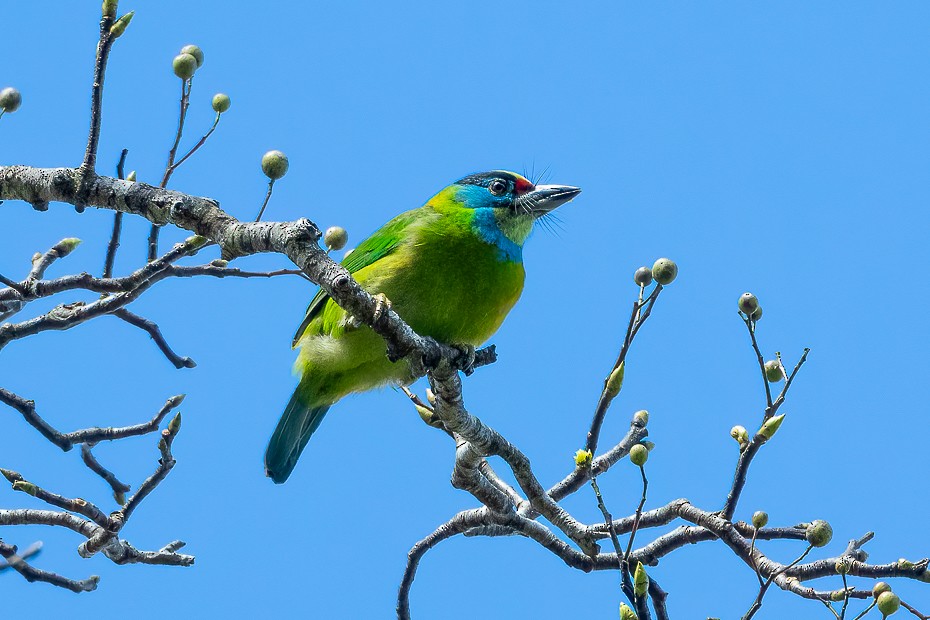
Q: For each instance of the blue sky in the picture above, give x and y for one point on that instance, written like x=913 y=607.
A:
x=778 y=148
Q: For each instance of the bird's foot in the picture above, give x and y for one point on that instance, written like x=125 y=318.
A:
x=382 y=306
x=466 y=359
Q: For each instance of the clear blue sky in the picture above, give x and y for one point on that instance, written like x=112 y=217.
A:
x=779 y=148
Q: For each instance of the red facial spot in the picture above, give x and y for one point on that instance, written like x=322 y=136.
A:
x=522 y=186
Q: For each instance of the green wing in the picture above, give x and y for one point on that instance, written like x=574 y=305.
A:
x=384 y=241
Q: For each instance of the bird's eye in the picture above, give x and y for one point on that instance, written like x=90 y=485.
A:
x=497 y=187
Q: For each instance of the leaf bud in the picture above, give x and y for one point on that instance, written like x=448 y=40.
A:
x=25 y=487
x=120 y=25
x=626 y=613
x=740 y=434
x=640 y=581
x=771 y=426
x=615 y=381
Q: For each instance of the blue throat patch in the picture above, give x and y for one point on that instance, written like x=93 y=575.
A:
x=486 y=226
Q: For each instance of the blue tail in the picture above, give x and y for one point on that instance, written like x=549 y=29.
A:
x=297 y=423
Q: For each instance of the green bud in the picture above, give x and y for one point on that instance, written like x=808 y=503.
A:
x=425 y=414
x=120 y=26
x=880 y=587
x=905 y=564
x=771 y=426
x=756 y=314
x=221 y=102
x=10 y=475
x=583 y=458
x=131 y=177
x=640 y=581
x=643 y=276
x=196 y=241
x=819 y=533
x=641 y=417
x=626 y=613
x=838 y=595
x=843 y=565
x=773 y=371
x=639 y=455
x=194 y=51
x=274 y=164
x=66 y=246
x=219 y=262
x=664 y=271
x=740 y=434
x=760 y=519
x=615 y=381
x=175 y=424
x=25 y=487
x=748 y=303
x=335 y=238
x=10 y=99
x=109 y=7
x=430 y=397
x=184 y=66
x=888 y=603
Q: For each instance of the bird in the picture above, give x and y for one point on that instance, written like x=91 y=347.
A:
x=452 y=269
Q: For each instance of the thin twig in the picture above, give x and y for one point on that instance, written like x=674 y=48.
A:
x=117 y=223
x=119 y=488
x=153 y=330
x=267 y=198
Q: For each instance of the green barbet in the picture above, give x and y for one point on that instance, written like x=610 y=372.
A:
x=452 y=269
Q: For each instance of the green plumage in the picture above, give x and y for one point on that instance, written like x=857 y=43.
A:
x=444 y=272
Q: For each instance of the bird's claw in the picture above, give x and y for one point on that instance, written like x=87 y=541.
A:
x=468 y=352
x=382 y=306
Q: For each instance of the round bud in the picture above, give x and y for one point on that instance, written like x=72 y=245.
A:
x=274 y=164
x=10 y=99
x=131 y=177
x=880 y=587
x=643 y=276
x=756 y=314
x=335 y=237
x=184 y=66
x=641 y=416
x=220 y=102
x=819 y=533
x=888 y=603
x=760 y=519
x=194 y=51
x=773 y=371
x=748 y=303
x=664 y=271
x=639 y=454
x=843 y=565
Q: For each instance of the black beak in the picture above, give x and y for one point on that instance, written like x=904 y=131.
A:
x=545 y=198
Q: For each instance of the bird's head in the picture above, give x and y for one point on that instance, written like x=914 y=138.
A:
x=505 y=205
x=510 y=192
